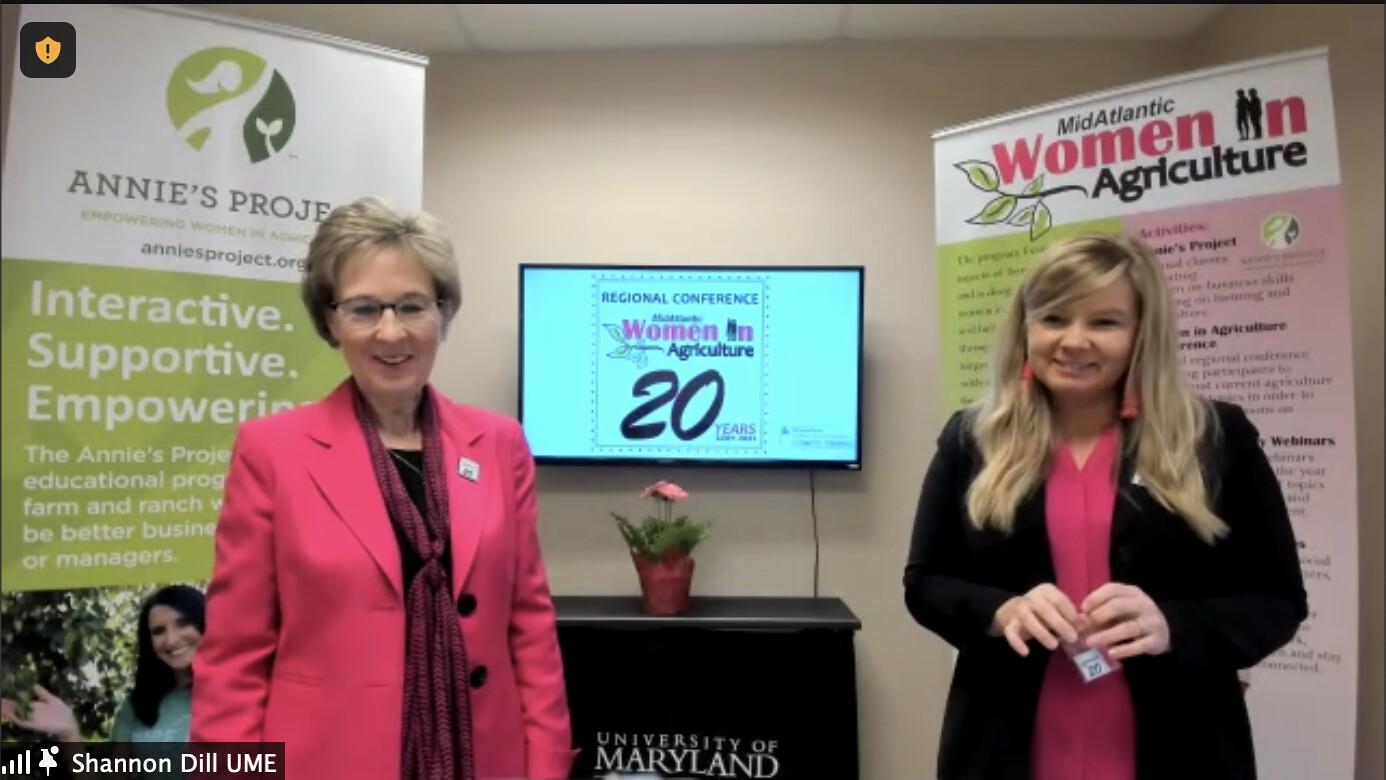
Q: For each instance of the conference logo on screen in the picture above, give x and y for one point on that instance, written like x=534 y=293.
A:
x=691 y=338
x=682 y=340
x=228 y=97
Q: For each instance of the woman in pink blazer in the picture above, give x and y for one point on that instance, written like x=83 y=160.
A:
x=379 y=601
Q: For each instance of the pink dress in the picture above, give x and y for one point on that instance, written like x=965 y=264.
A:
x=1083 y=731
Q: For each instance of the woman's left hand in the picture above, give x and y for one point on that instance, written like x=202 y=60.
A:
x=1128 y=620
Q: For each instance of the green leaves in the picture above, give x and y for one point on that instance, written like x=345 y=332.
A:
x=635 y=353
x=656 y=538
x=1006 y=207
x=1042 y=222
x=615 y=331
x=995 y=211
x=982 y=174
x=635 y=538
x=1036 y=217
x=79 y=644
x=1023 y=217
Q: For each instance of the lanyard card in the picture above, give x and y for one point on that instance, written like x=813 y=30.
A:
x=1092 y=663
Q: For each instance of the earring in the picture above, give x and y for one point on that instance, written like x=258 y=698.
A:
x=1027 y=376
x=1131 y=400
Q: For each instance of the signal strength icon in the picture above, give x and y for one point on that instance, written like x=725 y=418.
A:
x=17 y=765
x=23 y=765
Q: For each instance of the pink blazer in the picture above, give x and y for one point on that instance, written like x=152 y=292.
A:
x=305 y=612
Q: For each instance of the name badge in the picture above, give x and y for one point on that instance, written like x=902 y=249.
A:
x=469 y=469
x=1092 y=665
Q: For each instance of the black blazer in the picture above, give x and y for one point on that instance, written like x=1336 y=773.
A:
x=1228 y=606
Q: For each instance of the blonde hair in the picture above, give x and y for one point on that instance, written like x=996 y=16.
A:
x=371 y=224
x=1013 y=427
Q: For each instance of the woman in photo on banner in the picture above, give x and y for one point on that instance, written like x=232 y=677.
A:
x=379 y=602
x=168 y=634
x=1104 y=548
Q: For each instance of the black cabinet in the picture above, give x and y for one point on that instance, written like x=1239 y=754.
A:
x=735 y=688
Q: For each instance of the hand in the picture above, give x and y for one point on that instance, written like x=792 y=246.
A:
x=1130 y=622
x=1044 y=614
x=47 y=715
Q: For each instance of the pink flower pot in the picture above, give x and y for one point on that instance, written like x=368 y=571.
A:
x=665 y=584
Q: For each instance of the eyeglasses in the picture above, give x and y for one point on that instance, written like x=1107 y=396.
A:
x=410 y=311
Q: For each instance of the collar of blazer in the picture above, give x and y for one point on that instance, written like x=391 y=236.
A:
x=342 y=471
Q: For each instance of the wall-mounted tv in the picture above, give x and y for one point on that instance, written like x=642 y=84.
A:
x=705 y=365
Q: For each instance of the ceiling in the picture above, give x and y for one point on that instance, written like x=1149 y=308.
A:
x=499 y=27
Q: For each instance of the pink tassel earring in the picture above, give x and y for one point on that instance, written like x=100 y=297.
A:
x=1027 y=377
x=1131 y=400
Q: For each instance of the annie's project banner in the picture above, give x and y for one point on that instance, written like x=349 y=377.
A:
x=157 y=208
x=1232 y=176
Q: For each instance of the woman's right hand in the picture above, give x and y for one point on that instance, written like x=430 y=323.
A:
x=1044 y=614
x=47 y=715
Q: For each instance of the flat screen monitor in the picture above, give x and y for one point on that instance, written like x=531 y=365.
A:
x=705 y=365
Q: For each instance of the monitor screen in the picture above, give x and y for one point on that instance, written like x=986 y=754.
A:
x=725 y=365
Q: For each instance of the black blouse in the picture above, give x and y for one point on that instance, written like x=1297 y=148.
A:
x=409 y=464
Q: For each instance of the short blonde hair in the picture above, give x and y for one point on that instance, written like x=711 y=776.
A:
x=371 y=224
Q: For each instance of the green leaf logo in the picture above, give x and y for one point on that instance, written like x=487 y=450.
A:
x=221 y=94
x=1280 y=231
x=995 y=211
x=982 y=174
x=1042 y=222
x=1006 y=208
x=1022 y=218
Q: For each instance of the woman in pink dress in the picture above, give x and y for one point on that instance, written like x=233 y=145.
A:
x=1104 y=548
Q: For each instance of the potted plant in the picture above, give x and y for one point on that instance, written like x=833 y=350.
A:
x=661 y=546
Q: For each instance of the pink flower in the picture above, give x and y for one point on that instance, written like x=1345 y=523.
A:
x=664 y=491
x=672 y=492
